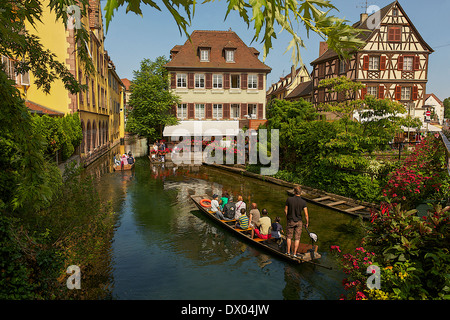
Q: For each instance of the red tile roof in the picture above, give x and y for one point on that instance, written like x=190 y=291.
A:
x=187 y=56
x=40 y=109
x=127 y=83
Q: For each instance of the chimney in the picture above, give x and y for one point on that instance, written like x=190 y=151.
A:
x=364 y=17
x=293 y=73
x=323 y=48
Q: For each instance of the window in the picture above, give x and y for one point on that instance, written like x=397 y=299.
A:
x=395 y=34
x=252 y=109
x=408 y=63
x=341 y=67
x=395 y=12
x=200 y=111
x=182 y=111
x=235 y=81
x=181 y=80
x=199 y=81
x=217 y=81
x=406 y=93
x=235 y=112
x=229 y=55
x=374 y=63
x=217 y=111
x=252 y=81
x=373 y=91
x=204 y=55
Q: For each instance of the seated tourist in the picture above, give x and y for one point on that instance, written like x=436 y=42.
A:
x=242 y=223
x=262 y=229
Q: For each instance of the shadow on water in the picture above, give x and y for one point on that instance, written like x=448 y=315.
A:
x=163 y=248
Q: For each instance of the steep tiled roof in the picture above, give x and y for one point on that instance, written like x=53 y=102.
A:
x=40 y=109
x=187 y=56
x=126 y=83
x=302 y=90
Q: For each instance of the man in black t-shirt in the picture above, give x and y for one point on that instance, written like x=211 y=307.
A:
x=293 y=210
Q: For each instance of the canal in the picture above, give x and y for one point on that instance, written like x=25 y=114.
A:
x=163 y=248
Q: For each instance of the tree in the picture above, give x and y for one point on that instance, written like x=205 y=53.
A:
x=151 y=100
x=265 y=16
x=447 y=108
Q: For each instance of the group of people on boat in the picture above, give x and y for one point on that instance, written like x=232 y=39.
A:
x=121 y=160
x=261 y=225
x=158 y=151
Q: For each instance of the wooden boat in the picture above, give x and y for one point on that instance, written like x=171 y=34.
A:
x=126 y=167
x=333 y=203
x=307 y=252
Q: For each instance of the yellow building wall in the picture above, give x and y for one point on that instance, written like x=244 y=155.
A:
x=52 y=36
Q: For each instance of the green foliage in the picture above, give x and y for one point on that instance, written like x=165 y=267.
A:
x=29 y=51
x=59 y=133
x=447 y=108
x=265 y=17
x=151 y=99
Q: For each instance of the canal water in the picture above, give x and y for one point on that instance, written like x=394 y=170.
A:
x=164 y=248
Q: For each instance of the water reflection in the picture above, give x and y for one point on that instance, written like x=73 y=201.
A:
x=164 y=248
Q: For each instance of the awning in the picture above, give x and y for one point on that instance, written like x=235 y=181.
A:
x=198 y=128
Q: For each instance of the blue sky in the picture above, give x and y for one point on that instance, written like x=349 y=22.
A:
x=131 y=38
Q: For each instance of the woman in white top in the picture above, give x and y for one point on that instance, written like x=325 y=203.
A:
x=240 y=204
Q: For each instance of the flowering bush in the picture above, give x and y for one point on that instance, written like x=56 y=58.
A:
x=421 y=174
x=412 y=253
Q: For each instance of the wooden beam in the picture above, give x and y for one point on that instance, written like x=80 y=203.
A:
x=355 y=209
x=336 y=203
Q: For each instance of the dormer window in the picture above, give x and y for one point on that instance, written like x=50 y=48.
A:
x=229 y=55
x=204 y=55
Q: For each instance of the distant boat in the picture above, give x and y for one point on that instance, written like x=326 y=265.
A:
x=306 y=252
x=126 y=167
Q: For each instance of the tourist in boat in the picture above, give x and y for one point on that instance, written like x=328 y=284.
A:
x=255 y=215
x=215 y=207
x=117 y=160
x=224 y=199
x=242 y=223
x=295 y=205
x=229 y=209
x=263 y=227
x=130 y=158
x=277 y=229
x=240 y=204
x=123 y=160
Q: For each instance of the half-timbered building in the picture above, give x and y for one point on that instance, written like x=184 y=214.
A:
x=392 y=64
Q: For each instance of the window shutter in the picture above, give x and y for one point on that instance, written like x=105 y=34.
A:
x=383 y=63
x=260 y=81
x=415 y=93
x=226 y=81
x=208 y=80
x=398 y=93
x=416 y=63
x=243 y=110
x=366 y=63
x=337 y=64
x=381 y=92
x=208 y=112
x=190 y=81
x=173 y=80
x=191 y=112
x=226 y=111
x=363 y=93
x=400 y=63
x=260 y=111
x=244 y=81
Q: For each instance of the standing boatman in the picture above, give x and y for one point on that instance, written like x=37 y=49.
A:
x=293 y=210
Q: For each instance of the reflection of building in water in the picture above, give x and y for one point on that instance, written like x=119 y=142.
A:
x=193 y=186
